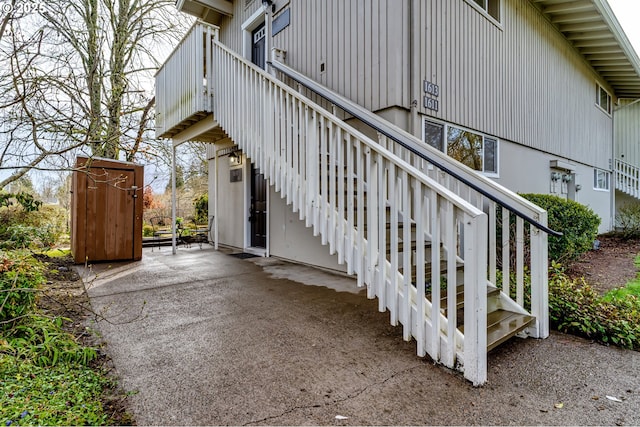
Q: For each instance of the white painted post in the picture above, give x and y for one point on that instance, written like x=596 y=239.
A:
x=174 y=249
x=539 y=281
x=475 y=298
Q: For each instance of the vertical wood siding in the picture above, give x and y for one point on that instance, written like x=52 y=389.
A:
x=363 y=44
x=520 y=81
x=627 y=124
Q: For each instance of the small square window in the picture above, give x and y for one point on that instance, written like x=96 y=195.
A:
x=492 y=7
x=603 y=99
x=434 y=134
x=600 y=180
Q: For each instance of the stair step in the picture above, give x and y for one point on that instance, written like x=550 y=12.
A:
x=502 y=325
x=491 y=292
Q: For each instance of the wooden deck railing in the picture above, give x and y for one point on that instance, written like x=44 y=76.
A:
x=183 y=83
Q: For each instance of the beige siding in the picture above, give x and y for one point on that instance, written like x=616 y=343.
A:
x=362 y=43
x=520 y=80
x=627 y=124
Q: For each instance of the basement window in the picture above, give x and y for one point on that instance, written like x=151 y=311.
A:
x=476 y=150
x=603 y=99
x=601 y=180
x=490 y=7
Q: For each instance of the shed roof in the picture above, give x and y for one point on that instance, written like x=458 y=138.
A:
x=592 y=28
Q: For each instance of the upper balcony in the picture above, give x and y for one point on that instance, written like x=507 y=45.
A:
x=184 y=94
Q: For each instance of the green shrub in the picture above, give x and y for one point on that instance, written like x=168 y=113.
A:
x=576 y=308
x=578 y=223
x=20 y=277
x=21 y=228
x=628 y=220
x=147 y=230
x=43 y=342
x=202 y=209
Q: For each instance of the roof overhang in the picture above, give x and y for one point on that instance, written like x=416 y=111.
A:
x=207 y=10
x=592 y=28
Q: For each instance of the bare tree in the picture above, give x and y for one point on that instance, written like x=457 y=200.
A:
x=78 y=76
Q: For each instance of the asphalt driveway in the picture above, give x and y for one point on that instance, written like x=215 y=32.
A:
x=204 y=338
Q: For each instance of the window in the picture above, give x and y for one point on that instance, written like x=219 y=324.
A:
x=492 y=7
x=475 y=150
x=603 y=99
x=600 y=180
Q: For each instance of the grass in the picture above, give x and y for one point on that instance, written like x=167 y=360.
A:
x=630 y=289
x=46 y=373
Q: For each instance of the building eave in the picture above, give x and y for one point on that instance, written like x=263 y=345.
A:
x=592 y=28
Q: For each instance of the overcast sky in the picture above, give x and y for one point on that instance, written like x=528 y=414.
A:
x=628 y=14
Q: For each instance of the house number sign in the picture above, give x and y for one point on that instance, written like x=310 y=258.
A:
x=431 y=90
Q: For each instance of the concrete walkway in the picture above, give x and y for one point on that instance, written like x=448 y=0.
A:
x=204 y=338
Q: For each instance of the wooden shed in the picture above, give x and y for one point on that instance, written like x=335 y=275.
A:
x=106 y=210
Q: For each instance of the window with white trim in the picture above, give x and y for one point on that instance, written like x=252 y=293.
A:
x=603 y=99
x=478 y=151
x=601 y=179
x=491 y=7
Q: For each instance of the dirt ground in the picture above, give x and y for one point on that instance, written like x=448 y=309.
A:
x=611 y=266
x=64 y=295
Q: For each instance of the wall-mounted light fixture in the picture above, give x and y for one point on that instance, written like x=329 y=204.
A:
x=578 y=187
x=235 y=158
x=267 y=3
x=555 y=176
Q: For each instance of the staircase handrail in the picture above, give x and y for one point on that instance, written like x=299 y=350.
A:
x=431 y=155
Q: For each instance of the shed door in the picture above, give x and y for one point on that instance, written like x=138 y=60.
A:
x=111 y=235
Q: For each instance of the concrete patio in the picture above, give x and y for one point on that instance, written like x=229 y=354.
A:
x=205 y=338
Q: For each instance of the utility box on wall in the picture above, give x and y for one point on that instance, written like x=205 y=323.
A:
x=106 y=210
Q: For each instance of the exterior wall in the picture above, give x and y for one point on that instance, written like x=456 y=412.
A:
x=290 y=239
x=520 y=80
x=361 y=44
x=231 y=203
x=627 y=126
x=287 y=236
x=534 y=176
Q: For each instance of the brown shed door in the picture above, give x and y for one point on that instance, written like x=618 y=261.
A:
x=110 y=235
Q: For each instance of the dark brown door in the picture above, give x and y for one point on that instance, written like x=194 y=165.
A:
x=258 y=212
x=258 y=49
x=258 y=209
x=111 y=208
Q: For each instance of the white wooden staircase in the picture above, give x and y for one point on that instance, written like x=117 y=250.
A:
x=425 y=234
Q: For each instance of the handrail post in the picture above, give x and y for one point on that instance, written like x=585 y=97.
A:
x=539 y=282
x=475 y=299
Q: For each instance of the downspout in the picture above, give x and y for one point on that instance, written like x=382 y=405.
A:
x=268 y=38
x=215 y=204
x=414 y=69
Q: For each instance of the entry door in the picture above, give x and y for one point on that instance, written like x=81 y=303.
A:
x=258 y=53
x=258 y=209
